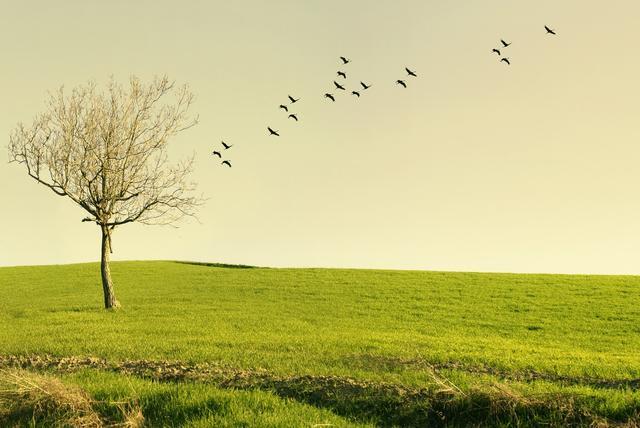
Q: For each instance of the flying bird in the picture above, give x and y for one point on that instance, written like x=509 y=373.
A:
x=293 y=100
x=330 y=97
x=226 y=146
x=411 y=73
x=356 y=93
x=217 y=154
x=344 y=60
x=505 y=44
x=505 y=60
x=226 y=163
x=401 y=82
x=342 y=73
x=496 y=51
x=272 y=132
x=365 y=86
x=549 y=30
x=338 y=86
x=293 y=116
x=284 y=107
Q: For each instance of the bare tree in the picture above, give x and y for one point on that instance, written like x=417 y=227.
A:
x=107 y=152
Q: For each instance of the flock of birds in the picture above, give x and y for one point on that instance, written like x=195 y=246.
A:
x=342 y=75
x=506 y=45
x=288 y=108
x=219 y=154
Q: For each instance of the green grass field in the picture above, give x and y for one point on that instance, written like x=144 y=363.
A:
x=247 y=346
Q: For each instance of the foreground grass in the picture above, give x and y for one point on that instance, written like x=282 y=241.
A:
x=201 y=405
x=452 y=398
x=92 y=398
x=531 y=336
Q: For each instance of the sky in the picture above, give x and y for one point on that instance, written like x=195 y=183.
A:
x=475 y=166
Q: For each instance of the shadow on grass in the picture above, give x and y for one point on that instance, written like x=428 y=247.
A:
x=374 y=363
x=166 y=407
x=383 y=404
x=217 y=265
x=395 y=405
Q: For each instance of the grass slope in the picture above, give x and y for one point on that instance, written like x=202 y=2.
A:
x=528 y=337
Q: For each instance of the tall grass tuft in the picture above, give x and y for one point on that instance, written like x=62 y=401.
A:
x=45 y=400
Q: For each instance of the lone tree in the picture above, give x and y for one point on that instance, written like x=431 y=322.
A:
x=107 y=152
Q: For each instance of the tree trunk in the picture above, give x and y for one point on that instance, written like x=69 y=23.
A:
x=110 y=300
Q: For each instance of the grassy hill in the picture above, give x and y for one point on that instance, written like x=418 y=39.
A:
x=297 y=347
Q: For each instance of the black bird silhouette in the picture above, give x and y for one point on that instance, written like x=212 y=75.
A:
x=496 y=51
x=365 y=86
x=505 y=44
x=226 y=146
x=356 y=93
x=293 y=100
x=401 y=82
x=411 y=73
x=282 y=106
x=272 y=132
x=338 y=86
x=217 y=154
x=329 y=96
x=549 y=30
x=505 y=60
x=294 y=116
x=226 y=163
x=342 y=73
x=344 y=60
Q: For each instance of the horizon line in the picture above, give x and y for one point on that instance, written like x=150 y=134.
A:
x=306 y=267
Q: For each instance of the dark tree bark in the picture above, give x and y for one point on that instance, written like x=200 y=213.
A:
x=110 y=301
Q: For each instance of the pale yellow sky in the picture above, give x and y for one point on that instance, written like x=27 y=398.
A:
x=475 y=166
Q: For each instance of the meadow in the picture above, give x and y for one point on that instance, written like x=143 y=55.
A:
x=200 y=344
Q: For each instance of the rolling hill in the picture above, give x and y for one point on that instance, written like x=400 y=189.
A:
x=205 y=344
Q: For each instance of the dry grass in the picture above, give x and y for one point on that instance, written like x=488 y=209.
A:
x=27 y=396
x=441 y=403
